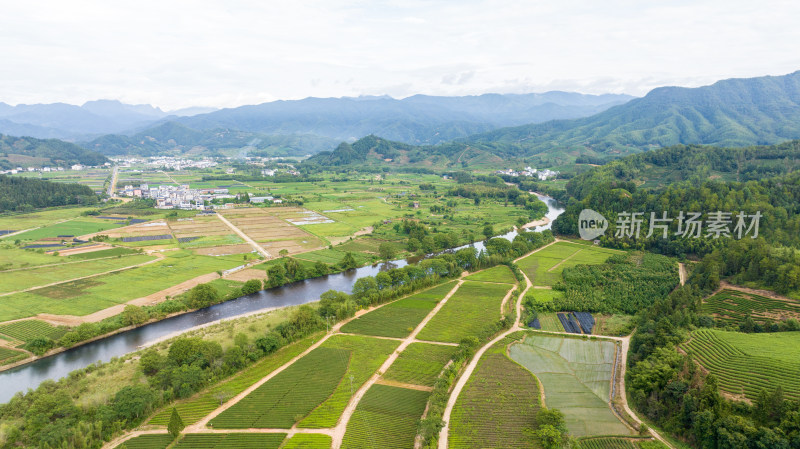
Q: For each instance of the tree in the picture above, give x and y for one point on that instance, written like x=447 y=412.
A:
x=175 y=425
x=348 y=261
x=251 y=286
x=39 y=345
x=320 y=268
x=202 y=295
x=276 y=275
x=387 y=250
x=283 y=253
x=551 y=432
x=133 y=315
x=488 y=231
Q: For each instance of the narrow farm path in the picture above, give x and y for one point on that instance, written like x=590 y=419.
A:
x=245 y=237
x=682 y=273
x=341 y=426
x=112 y=186
x=564 y=260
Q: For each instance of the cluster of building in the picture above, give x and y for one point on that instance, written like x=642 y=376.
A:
x=531 y=172
x=167 y=162
x=75 y=167
x=176 y=197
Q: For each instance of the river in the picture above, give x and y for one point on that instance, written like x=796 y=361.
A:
x=59 y=365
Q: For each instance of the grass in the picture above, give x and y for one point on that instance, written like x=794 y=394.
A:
x=195 y=408
x=23 y=279
x=575 y=375
x=44 y=217
x=550 y=322
x=160 y=441
x=744 y=364
x=102 y=253
x=544 y=267
x=497 y=406
x=399 y=318
x=732 y=307
x=466 y=313
x=78 y=227
x=614 y=325
x=308 y=441
x=97 y=293
x=367 y=355
x=500 y=273
x=420 y=364
x=543 y=294
x=231 y=441
x=290 y=395
x=385 y=418
x=27 y=330
x=12 y=257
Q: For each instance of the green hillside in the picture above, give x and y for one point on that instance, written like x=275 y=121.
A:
x=32 y=152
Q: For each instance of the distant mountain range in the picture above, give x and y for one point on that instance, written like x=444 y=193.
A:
x=733 y=112
x=93 y=118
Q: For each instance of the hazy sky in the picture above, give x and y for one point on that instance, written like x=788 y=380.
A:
x=226 y=53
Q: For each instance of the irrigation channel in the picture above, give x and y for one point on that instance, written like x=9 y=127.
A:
x=27 y=376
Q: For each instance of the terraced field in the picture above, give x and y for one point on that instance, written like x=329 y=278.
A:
x=231 y=441
x=195 y=408
x=292 y=393
x=620 y=443
x=308 y=441
x=744 y=364
x=497 y=406
x=399 y=318
x=576 y=377
x=420 y=364
x=466 y=313
x=733 y=306
x=544 y=267
x=10 y=355
x=386 y=418
x=500 y=273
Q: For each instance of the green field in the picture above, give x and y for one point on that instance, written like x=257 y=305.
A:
x=159 y=441
x=290 y=395
x=12 y=257
x=544 y=266
x=543 y=294
x=744 y=364
x=385 y=418
x=195 y=408
x=31 y=277
x=420 y=364
x=576 y=376
x=332 y=256
x=77 y=227
x=733 y=306
x=399 y=318
x=231 y=441
x=111 y=252
x=466 y=313
x=619 y=443
x=367 y=355
x=497 y=406
x=308 y=441
x=550 y=322
x=27 y=330
x=90 y=295
x=10 y=355
x=45 y=217
x=500 y=273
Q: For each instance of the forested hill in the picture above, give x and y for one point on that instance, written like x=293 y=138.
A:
x=733 y=112
x=23 y=194
x=174 y=138
x=29 y=151
x=376 y=151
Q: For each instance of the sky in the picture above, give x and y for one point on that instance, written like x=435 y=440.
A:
x=176 y=53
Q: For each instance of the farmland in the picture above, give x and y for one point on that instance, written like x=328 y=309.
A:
x=71 y=228
x=193 y=409
x=420 y=364
x=27 y=330
x=498 y=405
x=10 y=355
x=501 y=274
x=544 y=267
x=386 y=418
x=308 y=441
x=733 y=306
x=231 y=441
x=576 y=377
x=619 y=443
x=292 y=393
x=744 y=364
x=398 y=318
x=467 y=312
x=367 y=354
x=159 y=441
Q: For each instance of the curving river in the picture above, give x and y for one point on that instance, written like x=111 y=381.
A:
x=59 y=365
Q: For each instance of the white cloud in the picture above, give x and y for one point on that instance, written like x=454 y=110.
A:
x=215 y=53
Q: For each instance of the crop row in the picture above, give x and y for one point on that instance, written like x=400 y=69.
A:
x=27 y=330
x=730 y=305
x=386 y=418
x=420 y=364
x=474 y=306
x=199 y=406
x=292 y=393
x=159 y=441
x=606 y=443
x=231 y=441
